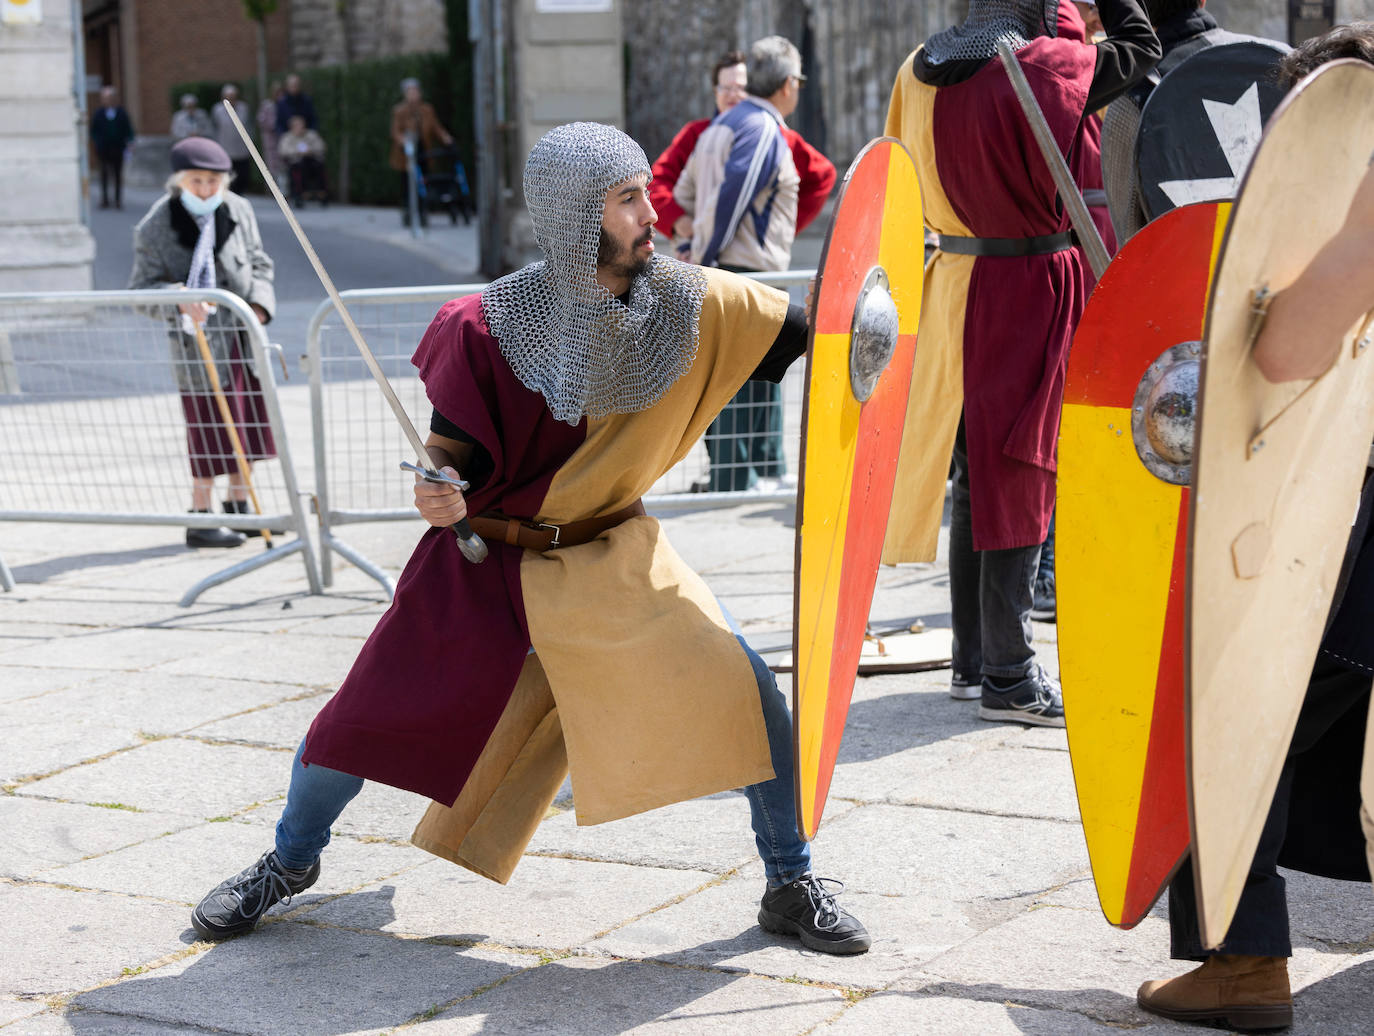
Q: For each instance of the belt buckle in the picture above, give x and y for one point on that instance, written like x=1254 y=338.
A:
x=556 y=532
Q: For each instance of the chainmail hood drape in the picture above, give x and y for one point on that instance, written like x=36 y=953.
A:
x=563 y=334
x=989 y=22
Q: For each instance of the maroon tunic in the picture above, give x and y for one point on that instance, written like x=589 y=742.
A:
x=1020 y=312
x=432 y=681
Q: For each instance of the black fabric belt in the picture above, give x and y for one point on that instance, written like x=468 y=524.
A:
x=1008 y=247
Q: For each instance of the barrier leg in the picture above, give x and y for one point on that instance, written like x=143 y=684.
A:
x=252 y=565
x=362 y=563
x=6 y=576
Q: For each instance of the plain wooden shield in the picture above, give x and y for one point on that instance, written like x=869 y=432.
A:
x=1121 y=534
x=873 y=252
x=1276 y=482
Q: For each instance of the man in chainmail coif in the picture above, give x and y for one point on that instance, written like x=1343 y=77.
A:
x=583 y=643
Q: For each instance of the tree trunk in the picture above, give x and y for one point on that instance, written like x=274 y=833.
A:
x=260 y=26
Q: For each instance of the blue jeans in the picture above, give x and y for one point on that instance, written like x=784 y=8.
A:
x=318 y=795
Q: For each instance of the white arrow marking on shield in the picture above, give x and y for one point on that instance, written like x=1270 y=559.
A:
x=1238 y=129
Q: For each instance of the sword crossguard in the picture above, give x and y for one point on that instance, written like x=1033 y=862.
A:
x=430 y=475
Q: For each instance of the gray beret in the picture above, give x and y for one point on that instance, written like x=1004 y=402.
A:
x=200 y=153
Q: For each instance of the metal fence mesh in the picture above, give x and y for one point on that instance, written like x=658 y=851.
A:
x=100 y=414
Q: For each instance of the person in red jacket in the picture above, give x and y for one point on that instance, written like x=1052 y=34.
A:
x=745 y=442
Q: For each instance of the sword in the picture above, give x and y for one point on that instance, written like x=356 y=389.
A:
x=468 y=541
x=1083 y=224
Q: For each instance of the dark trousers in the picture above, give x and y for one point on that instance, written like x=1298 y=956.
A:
x=745 y=441
x=990 y=591
x=1335 y=694
x=307 y=174
x=238 y=182
x=111 y=165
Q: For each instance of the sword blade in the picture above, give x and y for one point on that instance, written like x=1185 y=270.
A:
x=1083 y=225
x=470 y=543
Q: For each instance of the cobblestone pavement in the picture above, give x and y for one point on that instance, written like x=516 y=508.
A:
x=146 y=756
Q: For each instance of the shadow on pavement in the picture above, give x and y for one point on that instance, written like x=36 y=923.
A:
x=44 y=570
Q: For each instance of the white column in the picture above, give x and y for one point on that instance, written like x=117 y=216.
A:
x=44 y=246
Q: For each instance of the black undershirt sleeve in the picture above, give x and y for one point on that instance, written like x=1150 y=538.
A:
x=479 y=466
x=790 y=344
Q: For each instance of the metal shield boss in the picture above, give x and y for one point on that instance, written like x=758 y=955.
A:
x=1202 y=123
x=1125 y=459
x=866 y=306
x=1278 y=472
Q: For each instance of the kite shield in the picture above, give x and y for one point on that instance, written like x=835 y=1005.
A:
x=1125 y=446
x=1277 y=475
x=1203 y=122
x=867 y=302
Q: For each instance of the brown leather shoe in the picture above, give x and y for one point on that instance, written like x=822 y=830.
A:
x=1229 y=991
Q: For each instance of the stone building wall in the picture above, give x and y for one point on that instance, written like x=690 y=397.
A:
x=330 y=32
x=43 y=244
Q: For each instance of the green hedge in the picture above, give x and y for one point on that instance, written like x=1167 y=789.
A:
x=354 y=105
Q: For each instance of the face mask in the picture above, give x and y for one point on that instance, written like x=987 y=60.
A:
x=197 y=206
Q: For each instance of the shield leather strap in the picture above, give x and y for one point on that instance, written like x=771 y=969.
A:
x=1007 y=247
x=542 y=536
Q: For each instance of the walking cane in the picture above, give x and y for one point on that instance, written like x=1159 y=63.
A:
x=240 y=458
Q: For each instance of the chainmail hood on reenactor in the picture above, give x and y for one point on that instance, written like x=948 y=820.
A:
x=989 y=22
x=564 y=335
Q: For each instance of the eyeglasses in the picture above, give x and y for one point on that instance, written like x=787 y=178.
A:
x=801 y=79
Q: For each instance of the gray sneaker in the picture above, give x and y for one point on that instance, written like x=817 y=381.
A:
x=235 y=905
x=1036 y=700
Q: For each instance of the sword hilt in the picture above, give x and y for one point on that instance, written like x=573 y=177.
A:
x=470 y=544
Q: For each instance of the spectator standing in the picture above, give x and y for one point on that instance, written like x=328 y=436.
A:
x=295 y=101
x=302 y=150
x=190 y=120
x=112 y=131
x=199 y=235
x=728 y=78
x=414 y=120
x=229 y=138
x=267 y=132
x=745 y=187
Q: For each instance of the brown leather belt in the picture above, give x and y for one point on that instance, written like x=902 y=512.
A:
x=541 y=536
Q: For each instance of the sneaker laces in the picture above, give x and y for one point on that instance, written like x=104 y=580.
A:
x=263 y=876
x=823 y=899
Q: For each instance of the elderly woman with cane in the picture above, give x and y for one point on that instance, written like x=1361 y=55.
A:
x=199 y=235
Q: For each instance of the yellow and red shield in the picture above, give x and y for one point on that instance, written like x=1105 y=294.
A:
x=867 y=304
x=1279 y=470
x=1119 y=567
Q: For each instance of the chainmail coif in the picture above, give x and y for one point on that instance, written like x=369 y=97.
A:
x=1016 y=22
x=563 y=334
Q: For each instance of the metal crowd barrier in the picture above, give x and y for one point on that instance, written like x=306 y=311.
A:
x=752 y=454
x=103 y=415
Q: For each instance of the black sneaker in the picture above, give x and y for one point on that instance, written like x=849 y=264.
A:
x=235 y=906
x=806 y=908
x=1043 y=604
x=220 y=537
x=1036 y=700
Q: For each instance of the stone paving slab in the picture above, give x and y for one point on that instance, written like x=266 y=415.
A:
x=549 y=903
x=707 y=834
x=894 y=1011
x=307 y=981
x=17 y=682
x=12 y=1009
x=105 y=650
x=1024 y=782
x=183 y=866
x=584 y=997
x=278 y=658
x=717 y=928
x=278 y=613
x=1072 y=960
x=1324 y=913
x=59 y=940
x=174 y=776
x=40 y=834
x=46 y=738
x=985 y=861
x=90 y=1023
x=279 y=726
